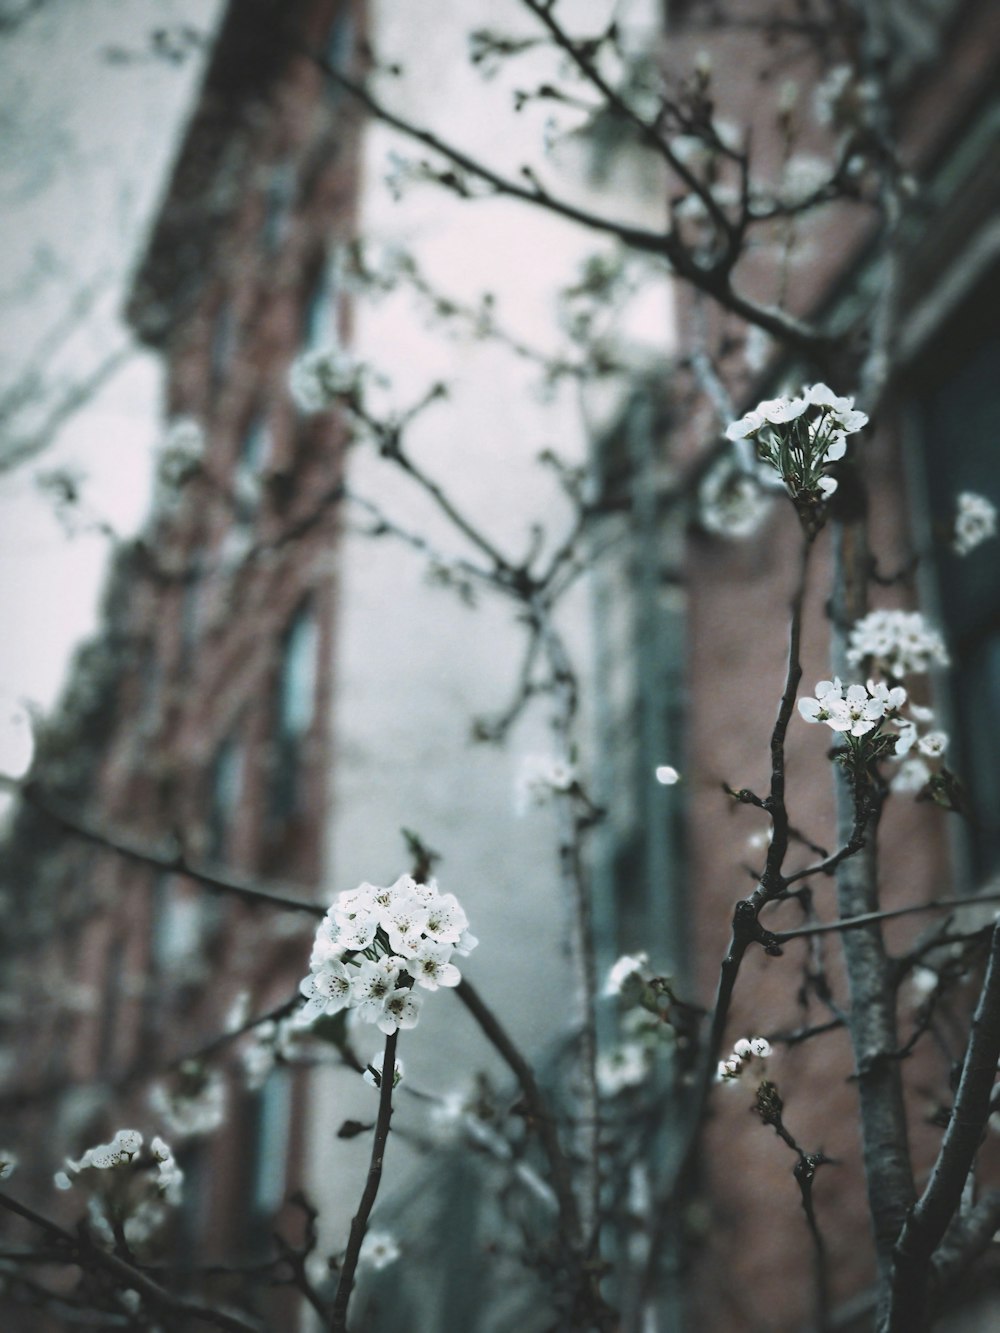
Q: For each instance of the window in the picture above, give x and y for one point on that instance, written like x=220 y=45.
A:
x=223 y=344
x=192 y=605
x=264 y=1126
x=339 y=48
x=270 y=1149
x=295 y=709
x=321 y=321
x=278 y=200
x=958 y=414
x=177 y=926
x=255 y=453
x=225 y=793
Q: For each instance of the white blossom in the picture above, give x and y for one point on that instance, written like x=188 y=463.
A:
x=912 y=775
x=933 y=744
x=624 y=1066
x=731 y=503
x=804 y=175
x=327 y=990
x=853 y=711
x=748 y=1056
x=975 y=522
x=194 y=1106
x=666 y=775
x=798 y=437
x=400 y=1009
x=900 y=643
x=830 y=93
x=135 y=1190
x=8 y=1163
x=319 y=378
x=627 y=966
x=269 y=1042
x=923 y=981
x=126 y=1145
x=378 y=1250
x=429 y=966
x=373 y=981
x=181 y=452
x=373 y=1071
x=375 y=943
x=539 y=776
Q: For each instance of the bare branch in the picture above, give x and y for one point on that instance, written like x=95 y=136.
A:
x=928 y=1220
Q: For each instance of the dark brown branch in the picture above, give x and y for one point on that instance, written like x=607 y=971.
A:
x=931 y=1215
x=713 y=281
x=967 y=1238
x=539 y=1117
x=888 y=914
x=359 y=1223
x=169 y=862
x=88 y=1254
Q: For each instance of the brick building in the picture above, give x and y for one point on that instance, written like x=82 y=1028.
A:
x=195 y=724
x=224 y=731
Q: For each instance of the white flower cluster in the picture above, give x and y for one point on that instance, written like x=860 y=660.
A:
x=830 y=92
x=126 y=1145
x=800 y=437
x=376 y=944
x=268 y=1045
x=975 y=522
x=748 y=1053
x=622 y=972
x=539 y=776
x=644 y=1033
x=858 y=710
x=195 y=1106
x=318 y=378
x=731 y=503
x=625 y=1065
x=181 y=452
x=900 y=643
x=125 y=1188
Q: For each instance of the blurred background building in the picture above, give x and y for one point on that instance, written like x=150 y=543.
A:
x=280 y=689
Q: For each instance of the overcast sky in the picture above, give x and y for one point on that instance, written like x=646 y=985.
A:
x=89 y=119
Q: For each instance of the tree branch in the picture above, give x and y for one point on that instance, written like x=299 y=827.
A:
x=929 y=1218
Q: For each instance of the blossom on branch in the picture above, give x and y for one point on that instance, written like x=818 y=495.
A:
x=541 y=775
x=319 y=378
x=378 y=1250
x=373 y=1071
x=195 y=1105
x=747 y=1056
x=129 y=1191
x=975 y=522
x=900 y=643
x=798 y=438
x=627 y=967
x=731 y=503
x=376 y=944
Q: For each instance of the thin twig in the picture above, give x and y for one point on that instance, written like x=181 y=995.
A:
x=89 y=1254
x=539 y=1117
x=170 y=862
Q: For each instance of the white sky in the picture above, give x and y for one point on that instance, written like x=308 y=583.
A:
x=85 y=147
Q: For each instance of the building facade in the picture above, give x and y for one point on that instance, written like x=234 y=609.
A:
x=195 y=730
x=291 y=691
